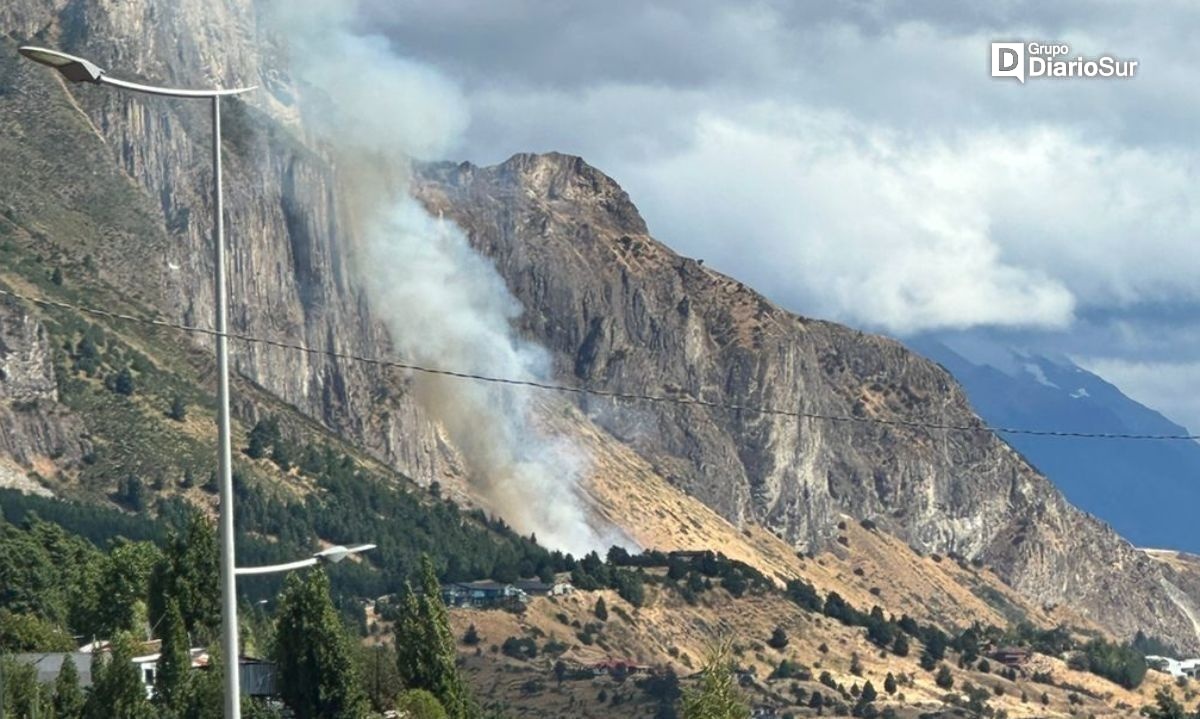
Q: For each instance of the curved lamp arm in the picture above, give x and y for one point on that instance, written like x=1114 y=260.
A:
x=273 y=568
x=77 y=69
x=333 y=555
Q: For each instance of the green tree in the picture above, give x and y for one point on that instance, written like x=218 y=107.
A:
x=68 y=697
x=263 y=435
x=131 y=492
x=944 y=678
x=717 y=696
x=20 y=692
x=317 y=674
x=187 y=572
x=601 y=610
x=205 y=698
x=779 y=639
x=425 y=648
x=122 y=586
x=178 y=410
x=471 y=636
x=117 y=690
x=411 y=655
x=1166 y=707
x=420 y=704
x=889 y=683
x=868 y=692
x=175 y=665
x=900 y=646
x=122 y=383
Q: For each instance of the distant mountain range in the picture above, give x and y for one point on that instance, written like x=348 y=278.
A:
x=1149 y=491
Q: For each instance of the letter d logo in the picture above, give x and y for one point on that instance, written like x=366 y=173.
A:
x=1008 y=60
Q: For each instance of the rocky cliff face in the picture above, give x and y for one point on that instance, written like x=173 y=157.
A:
x=616 y=309
x=35 y=432
x=623 y=312
x=291 y=259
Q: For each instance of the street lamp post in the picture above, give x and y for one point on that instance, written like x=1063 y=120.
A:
x=77 y=69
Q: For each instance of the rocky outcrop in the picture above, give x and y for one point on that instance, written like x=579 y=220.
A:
x=36 y=433
x=623 y=312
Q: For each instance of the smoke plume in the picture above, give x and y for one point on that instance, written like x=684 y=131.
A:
x=443 y=304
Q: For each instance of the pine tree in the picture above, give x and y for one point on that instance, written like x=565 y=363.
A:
x=601 y=610
x=889 y=683
x=68 y=697
x=900 y=646
x=868 y=692
x=717 y=696
x=188 y=570
x=122 y=382
x=425 y=648
x=317 y=675
x=411 y=654
x=445 y=682
x=175 y=664
x=944 y=678
x=117 y=690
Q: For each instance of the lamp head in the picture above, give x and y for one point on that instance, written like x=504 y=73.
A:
x=333 y=555
x=75 y=69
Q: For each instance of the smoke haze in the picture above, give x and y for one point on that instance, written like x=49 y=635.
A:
x=443 y=303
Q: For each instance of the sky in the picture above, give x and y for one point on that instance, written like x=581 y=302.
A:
x=855 y=161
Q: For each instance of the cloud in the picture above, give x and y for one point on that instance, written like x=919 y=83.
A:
x=854 y=160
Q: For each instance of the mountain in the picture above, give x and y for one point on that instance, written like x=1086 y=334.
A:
x=1143 y=489
x=123 y=218
x=621 y=311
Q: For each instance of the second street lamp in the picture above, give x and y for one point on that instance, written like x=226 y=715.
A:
x=333 y=555
x=77 y=69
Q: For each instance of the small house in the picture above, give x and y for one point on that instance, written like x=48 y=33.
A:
x=1011 y=656
x=482 y=594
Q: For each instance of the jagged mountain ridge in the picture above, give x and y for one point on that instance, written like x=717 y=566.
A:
x=615 y=308
x=622 y=311
x=1144 y=489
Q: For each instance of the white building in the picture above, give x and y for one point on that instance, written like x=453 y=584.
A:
x=1175 y=667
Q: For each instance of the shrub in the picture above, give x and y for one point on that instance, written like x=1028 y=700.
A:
x=788 y=669
x=779 y=639
x=471 y=636
x=419 y=704
x=178 y=410
x=522 y=648
x=944 y=678
x=122 y=382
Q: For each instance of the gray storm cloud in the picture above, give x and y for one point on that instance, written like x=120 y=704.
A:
x=443 y=304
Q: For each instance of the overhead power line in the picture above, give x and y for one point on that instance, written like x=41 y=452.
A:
x=596 y=391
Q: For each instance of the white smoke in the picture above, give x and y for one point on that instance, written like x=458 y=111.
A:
x=443 y=303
